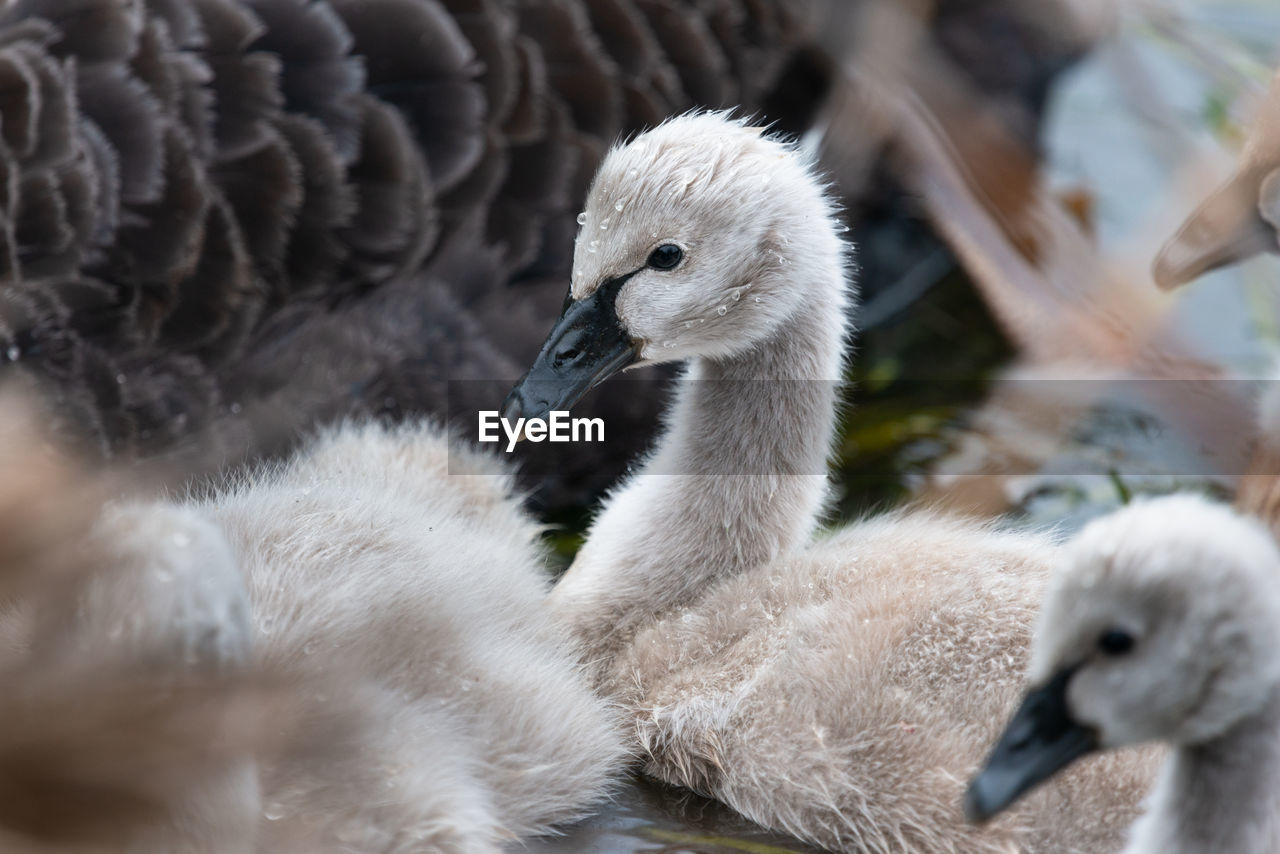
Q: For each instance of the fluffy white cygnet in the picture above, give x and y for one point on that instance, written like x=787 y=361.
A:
x=1161 y=624
x=840 y=689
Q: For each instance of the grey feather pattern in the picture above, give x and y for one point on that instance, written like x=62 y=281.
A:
x=225 y=221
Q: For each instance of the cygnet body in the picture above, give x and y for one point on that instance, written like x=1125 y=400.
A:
x=394 y=681
x=840 y=689
x=410 y=569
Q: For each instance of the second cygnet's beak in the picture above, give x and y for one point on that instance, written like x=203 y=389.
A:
x=586 y=346
x=1040 y=740
x=1228 y=227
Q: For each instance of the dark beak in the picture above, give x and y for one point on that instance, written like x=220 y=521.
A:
x=1225 y=229
x=586 y=347
x=1039 y=741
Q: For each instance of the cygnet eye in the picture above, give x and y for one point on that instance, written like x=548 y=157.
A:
x=1115 y=642
x=666 y=256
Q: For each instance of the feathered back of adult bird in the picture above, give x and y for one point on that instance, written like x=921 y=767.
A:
x=233 y=219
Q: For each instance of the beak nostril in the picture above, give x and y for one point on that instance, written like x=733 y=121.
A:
x=566 y=355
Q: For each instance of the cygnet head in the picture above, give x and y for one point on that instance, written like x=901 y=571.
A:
x=700 y=238
x=1239 y=219
x=1161 y=624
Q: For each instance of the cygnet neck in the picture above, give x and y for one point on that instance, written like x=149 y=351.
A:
x=738 y=478
x=1222 y=796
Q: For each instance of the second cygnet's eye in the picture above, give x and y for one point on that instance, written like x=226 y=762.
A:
x=666 y=256
x=1115 y=642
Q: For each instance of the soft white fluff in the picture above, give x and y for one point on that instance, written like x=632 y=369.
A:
x=840 y=690
x=396 y=589
x=413 y=566
x=1199 y=588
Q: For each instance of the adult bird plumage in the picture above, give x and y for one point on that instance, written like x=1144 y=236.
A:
x=223 y=222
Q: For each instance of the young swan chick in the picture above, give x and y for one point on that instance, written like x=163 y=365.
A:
x=1162 y=624
x=347 y=651
x=1239 y=219
x=841 y=689
x=384 y=562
